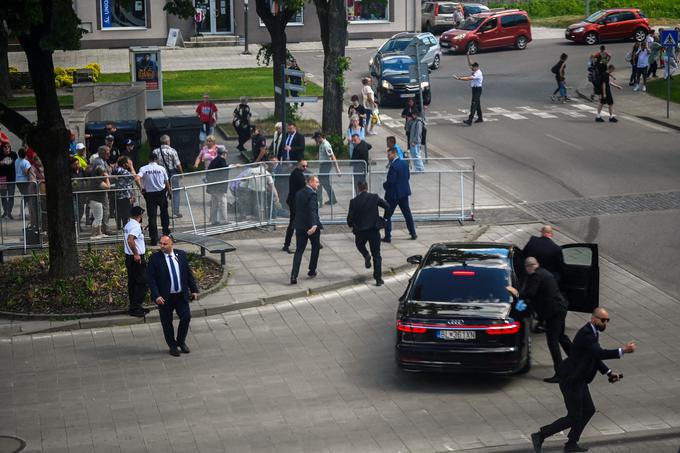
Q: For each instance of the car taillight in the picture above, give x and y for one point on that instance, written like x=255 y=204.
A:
x=436 y=9
x=409 y=328
x=503 y=329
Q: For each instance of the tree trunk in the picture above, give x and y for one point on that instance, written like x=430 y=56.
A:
x=333 y=22
x=49 y=138
x=5 y=87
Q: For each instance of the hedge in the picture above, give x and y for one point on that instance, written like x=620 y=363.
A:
x=549 y=8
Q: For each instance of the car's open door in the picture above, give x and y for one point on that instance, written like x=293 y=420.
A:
x=518 y=266
x=581 y=280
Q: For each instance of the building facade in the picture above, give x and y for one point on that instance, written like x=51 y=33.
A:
x=116 y=23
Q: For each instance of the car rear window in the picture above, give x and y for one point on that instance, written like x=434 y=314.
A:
x=446 y=8
x=513 y=20
x=461 y=284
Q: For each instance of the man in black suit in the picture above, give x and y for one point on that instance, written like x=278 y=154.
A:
x=172 y=284
x=365 y=222
x=293 y=146
x=546 y=252
x=307 y=227
x=546 y=300
x=360 y=152
x=296 y=181
x=575 y=373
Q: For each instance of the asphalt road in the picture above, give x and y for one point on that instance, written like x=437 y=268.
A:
x=532 y=150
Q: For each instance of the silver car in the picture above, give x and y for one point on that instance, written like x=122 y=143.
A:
x=397 y=44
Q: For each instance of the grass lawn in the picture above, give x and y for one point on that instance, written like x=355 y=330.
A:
x=29 y=101
x=565 y=21
x=220 y=83
x=306 y=127
x=659 y=89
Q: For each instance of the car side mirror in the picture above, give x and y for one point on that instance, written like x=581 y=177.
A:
x=415 y=259
x=374 y=74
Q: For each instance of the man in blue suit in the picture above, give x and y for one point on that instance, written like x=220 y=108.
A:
x=307 y=227
x=172 y=284
x=397 y=191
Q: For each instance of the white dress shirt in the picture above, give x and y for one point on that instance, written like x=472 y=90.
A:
x=175 y=263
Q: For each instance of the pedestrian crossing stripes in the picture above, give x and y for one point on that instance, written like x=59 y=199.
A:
x=491 y=114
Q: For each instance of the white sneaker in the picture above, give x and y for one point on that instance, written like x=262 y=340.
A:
x=644 y=88
x=636 y=88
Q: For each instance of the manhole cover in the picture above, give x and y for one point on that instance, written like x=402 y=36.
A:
x=10 y=444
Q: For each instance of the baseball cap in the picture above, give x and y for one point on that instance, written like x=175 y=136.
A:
x=109 y=137
x=136 y=211
x=129 y=142
x=80 y=146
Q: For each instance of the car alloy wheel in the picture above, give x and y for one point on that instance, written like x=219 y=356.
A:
x=472 y=47
x=427 y=97
x=591 y=38
x=521 y=43
x=640 y=35
x=436 y=62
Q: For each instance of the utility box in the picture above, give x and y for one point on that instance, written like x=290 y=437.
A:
x=145 y=66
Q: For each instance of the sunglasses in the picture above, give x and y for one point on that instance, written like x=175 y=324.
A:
x=603 y=319
x=304 y=166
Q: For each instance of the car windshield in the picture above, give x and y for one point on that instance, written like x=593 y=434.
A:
x=471 y=23
x=395 y=45
x=479 y=282
x=595 y=16
x=446 y=8
x=396 y=65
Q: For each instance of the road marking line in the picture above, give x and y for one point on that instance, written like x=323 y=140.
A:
x=647 y=124
x=573 y=145
x=507 y=113
x=537 y=113
x=570 y=113
x=587 y=108
x=385 y=116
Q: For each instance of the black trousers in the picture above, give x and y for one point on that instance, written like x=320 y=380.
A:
x=406 y=212
x=154 y=202
x=7 y=198
x=476 y=105
x=176 y=303
x=301 y=238
x=243 y=136
x=373 y=239
x=554 y=335
x=290 y=229
x=652 y=69
x=580 y=409
x=136 y=282
x=122 y=212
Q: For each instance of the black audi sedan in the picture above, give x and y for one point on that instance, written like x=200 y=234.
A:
x=457 y=315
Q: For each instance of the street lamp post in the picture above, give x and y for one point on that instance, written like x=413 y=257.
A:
x=245 y=27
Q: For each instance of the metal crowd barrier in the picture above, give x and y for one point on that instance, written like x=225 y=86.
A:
x=25 y=202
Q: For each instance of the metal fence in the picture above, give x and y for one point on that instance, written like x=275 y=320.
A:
x=237 y=197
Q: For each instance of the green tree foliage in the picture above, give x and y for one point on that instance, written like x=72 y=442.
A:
x=549 y=8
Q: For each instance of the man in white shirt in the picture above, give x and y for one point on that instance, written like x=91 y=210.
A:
x=153 y=181
x=133 y=242
x=476 y=79
x=169 y=159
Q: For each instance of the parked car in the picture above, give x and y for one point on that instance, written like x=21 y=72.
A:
x=489 y=30
x=398 y=44
x=610 y=24
x=437 y=15
x=473 y=8
x=457 y=315
x=395 y=81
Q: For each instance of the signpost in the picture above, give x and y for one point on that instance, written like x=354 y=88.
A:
x=294 y=88
x=669 y=39
x=416 y=73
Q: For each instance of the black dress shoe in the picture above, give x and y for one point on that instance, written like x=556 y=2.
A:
x=293 y=281
x=138 y=314
x=574 y=448
x=174 y=351
x=537 y=441
x=468 y=122
x=286 y=249
x=552 y=380
x=414 y=237
x=311 y=274
x=479 y=120
x=388 y=240
x=367 y=261
x=379 y=282
x=184 y=348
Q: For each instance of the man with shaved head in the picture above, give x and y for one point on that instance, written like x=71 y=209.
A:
x=545 y=299
x=575 y=373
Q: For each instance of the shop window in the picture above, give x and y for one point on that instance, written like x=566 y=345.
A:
x=123 y=14
x=368 y=10
x=296 y=20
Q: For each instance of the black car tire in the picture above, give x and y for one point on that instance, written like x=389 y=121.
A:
x=640 y=34
x=591 y=38
x=472 y=47
x=521 y=43
x=427 y=97
x=436 y=62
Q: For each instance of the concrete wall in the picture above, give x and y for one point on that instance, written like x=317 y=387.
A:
x=106 y=102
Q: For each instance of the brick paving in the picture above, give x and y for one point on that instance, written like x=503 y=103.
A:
x=317 y=374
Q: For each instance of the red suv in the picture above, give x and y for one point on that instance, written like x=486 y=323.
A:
x=610 y=24
x=506 y=28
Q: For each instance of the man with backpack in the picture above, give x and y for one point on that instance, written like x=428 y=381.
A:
x=559 y=69
x=416 y=128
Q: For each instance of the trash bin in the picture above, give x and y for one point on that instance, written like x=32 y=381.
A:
x=127 y=129
x=183 y=132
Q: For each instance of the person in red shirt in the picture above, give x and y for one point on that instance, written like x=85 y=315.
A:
x=207 y=114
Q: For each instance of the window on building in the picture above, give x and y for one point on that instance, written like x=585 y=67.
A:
x=297 y=19
x=123 y=14
x=368 y=10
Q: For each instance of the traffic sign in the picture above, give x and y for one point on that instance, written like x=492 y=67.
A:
x=302 y=99
x=277 y=90
x=669 y=38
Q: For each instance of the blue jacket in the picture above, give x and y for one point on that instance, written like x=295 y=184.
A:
x=397 y=185
x=159 y=280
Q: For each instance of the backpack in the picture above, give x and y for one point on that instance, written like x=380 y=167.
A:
x=556 y=69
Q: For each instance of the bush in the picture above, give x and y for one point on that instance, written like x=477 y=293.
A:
x=549 y=8
x=63 y=77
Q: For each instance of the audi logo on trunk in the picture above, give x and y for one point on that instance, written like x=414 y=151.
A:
x=455 y=322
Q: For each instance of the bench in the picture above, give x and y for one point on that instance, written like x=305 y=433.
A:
x=211 y=244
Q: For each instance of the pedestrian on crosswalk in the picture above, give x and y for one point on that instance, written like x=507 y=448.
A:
x=560 y=69
x=607 y=81
x=476 y=79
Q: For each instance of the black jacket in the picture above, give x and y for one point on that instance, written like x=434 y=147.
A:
x=363 y=212
x=159 y=280
x=361 y=151
x=548 y=254
x=306 y=210
x=585 y=358
x=543 y=294
x=297 y=148
x=217 y=179
x=296 y=181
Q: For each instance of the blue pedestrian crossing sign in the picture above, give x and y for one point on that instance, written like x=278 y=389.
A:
x=669 y=38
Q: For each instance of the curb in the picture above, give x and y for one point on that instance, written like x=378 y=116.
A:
x=594 y=441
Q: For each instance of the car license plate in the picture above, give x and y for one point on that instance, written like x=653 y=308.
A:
x=444 y=44
x=408 y=95
x=457 y=334
x=448 y=19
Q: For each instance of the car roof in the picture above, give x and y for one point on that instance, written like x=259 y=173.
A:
x=500 y=13
x=616 y=10
x=409 y=34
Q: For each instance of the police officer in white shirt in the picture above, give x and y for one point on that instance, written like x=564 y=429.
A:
x=153 y=180
x=476 y=80
x=133 y=242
